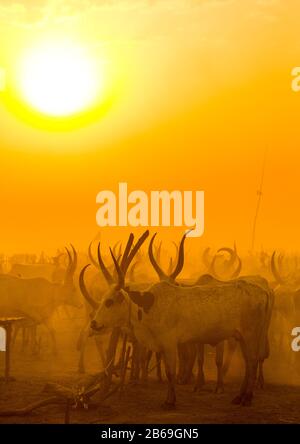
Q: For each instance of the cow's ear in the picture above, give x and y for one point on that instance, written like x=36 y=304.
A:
x=142 y=299
x=136 y=297
x=148 y=300
x=119 y=297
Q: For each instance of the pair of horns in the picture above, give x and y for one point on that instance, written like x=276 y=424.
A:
x=275 y=269
x=233 y=257
x=120 y=268
x=180 y=261
x=72 y=262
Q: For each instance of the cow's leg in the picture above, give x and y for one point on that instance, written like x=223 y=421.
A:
x=238 y=399
x=169 y=356
x=24 y=338
x=260 y=379
x=99 y=346
x=133 y=359
x=111 y=354
x=191 y=357
x=148 y=360
x=253 y=363
x=143 y=363
x=81 y=346
x=33 y=335
x=250 y=349
x=15 y=332
x=231 y=347
x=182 y=360
x=158 y=367
x=200 y=381
x=219 y=364
x=135 y=362
x=264 y=353
x=54 y=343
x=51 y=330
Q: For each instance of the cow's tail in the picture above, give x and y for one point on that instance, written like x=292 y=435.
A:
x=80 y=340
x=264 y=350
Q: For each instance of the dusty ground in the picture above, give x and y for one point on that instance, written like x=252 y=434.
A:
x=278 y=403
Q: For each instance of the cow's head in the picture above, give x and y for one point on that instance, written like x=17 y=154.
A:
x=114 y=309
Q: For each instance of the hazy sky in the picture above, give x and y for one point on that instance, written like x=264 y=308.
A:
x=203 y=87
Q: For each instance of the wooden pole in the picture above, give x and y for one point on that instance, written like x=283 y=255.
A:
x=7 y=351
x=259 y=194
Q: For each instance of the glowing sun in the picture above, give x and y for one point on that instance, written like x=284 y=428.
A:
x=59 y=79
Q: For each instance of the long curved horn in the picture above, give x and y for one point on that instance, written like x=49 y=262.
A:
x=114 y=248
x=127 y=251
x=180 y=261
x=170 y=268
x=177 y=250
x=233 y=255
x=131 y=272
x=158 y=252
x=121 y=277
x=237 y=272
x=71 y=265
x=74 y=261
x=118 y=253
x=213 y=267
x=69 y=261
x=115 y=274
x=84 y=291
x=275 y=271
x=90 y=254
x=205 y=258
x=162 y=276
x=108 y=277
x=134 y=250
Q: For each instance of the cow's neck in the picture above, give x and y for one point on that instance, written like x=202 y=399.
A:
x=60 y=294
x=137 y=322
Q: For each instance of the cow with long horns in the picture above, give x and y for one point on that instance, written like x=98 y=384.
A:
x=112 y=279
x=37 y=299
x=166 y=315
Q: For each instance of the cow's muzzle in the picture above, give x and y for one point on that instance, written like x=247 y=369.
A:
x=95 y=326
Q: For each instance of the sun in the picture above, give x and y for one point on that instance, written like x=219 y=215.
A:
x=60 y=79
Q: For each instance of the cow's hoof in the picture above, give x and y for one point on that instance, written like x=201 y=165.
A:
x=168 y=405
x=198 y=387
x=134 y=382
x=180 y=380
x=247 y=399
x=219 y=389
x=237 y=400
x=260 y=384
x=199 y=384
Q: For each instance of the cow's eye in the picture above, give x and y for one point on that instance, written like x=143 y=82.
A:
x=109 y=303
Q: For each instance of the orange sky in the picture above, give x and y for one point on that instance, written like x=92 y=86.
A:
x=201 y=88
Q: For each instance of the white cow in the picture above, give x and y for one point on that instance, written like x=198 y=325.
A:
x=167 y=315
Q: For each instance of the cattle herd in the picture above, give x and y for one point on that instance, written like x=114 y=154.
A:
x=229 y=301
